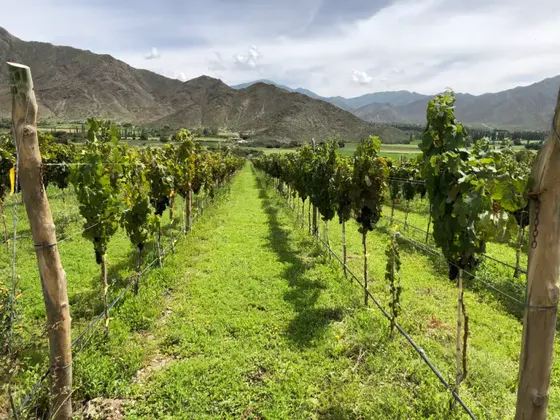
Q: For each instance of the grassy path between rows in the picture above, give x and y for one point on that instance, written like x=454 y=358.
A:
x=250 y=319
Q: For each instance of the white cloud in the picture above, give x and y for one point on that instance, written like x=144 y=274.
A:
x=248 y=61
x=182 y=77
x=154 y=54
x=361 y=77
x=476 y=46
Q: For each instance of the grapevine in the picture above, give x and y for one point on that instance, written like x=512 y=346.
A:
x=98 y=191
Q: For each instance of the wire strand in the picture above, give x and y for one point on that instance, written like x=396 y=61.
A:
x=90 y=328
x=415 y=346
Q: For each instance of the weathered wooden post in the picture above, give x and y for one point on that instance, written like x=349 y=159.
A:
x=53 y=277
x=542 y=280
x=315 y=210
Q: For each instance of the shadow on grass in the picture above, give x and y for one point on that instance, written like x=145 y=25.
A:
x=311 y=320
x=89 y=303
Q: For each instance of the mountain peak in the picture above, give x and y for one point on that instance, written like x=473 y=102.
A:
x=204 y=81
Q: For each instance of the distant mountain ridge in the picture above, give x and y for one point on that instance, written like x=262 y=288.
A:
x=395 y=98
x=525 y=107
x=73 y=84
x=528 y=107
x=270 y=113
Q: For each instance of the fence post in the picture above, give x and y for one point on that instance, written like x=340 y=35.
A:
x=53 y=277
x=542 y=280
x=315 y=210
x=429 y=223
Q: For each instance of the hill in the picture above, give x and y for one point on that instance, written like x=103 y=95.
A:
x=73 y=84
x=392 y=97
x=528 y=107
x=270 y=113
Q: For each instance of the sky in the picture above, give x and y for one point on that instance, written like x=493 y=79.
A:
x=332 y=47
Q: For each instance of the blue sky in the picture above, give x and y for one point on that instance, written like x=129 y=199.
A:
x=333 y=47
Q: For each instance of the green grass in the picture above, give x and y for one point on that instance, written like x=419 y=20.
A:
x=250 y=319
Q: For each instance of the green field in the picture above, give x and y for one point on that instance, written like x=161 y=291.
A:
x=249 y=318
x=394 y=151
x=388 y=150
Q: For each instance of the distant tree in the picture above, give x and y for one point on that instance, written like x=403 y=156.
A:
x=244 y=136
x=163 y=138
x=143 y=136
x=517 y=142
x=533 y=146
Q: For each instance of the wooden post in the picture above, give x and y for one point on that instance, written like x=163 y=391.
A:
x=183 y=211
x=105 y=283
x=542 y=280
x=520 y=237
x=429 y=223
x=3 y=216
x=344 y=247
x=189 y=209
x=366 y=274
x=309 y=215
x=53 y=277
x=315 y=210
x=139 y=250
x=171 y=206
x=458 y=342
x=158 y=248
x=405 y=228
x=327 y=236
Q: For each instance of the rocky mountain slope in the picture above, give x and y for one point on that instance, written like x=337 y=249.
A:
x=392 y=97
x=73 y=84
x=528 y=107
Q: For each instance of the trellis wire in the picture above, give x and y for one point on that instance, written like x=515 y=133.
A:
x=90 y=328
x=417 y=348
x=474 y=276
x=521 y=270
x=93 y=324
x=406 y=180
x=14 y=249
x=81 y=232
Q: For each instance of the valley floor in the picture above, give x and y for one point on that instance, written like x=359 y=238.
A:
x=250 y=319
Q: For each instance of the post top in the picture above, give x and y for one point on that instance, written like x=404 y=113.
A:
x=19 y=77
x=17 y=65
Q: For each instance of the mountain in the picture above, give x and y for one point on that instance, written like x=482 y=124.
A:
x=401 y=97
x=268 y=82
x=395 y=98
x=270 y=113
x=527 y=107
x=72 y=85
